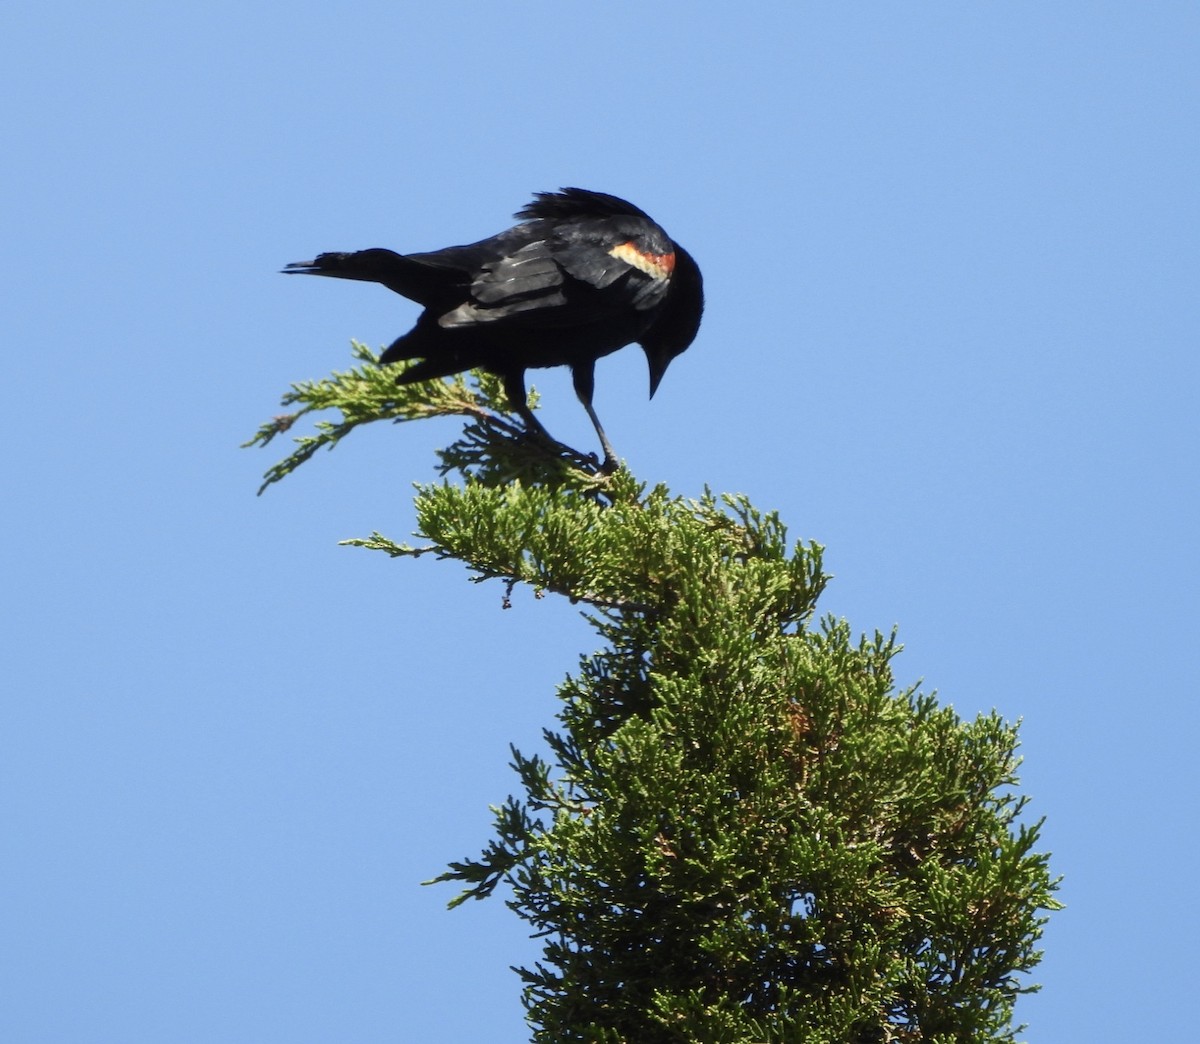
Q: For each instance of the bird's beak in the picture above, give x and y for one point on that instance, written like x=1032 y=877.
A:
x=659 y=361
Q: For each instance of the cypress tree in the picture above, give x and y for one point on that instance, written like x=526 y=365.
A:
x=745 y=831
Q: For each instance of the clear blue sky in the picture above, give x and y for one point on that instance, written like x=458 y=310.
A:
x=952 y=260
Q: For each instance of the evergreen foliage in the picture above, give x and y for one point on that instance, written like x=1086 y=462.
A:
x=746 y=832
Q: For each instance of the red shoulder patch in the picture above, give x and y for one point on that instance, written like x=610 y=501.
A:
x=657 y=266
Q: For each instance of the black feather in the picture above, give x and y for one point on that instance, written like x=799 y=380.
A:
x=584 y=274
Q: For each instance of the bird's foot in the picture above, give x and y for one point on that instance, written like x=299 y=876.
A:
x=607 y=466
x=540 y=438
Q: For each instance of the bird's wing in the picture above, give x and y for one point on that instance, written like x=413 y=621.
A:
x=553 y=267
x=601 y=258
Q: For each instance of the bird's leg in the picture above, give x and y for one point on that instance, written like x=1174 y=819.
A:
x=514 y=390
x=583 y=377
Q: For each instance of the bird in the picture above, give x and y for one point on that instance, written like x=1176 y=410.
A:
x=581 y=275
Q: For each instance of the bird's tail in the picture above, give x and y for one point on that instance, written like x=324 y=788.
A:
x=400 y=274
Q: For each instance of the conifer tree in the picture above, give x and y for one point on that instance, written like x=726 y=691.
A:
x=745 y=832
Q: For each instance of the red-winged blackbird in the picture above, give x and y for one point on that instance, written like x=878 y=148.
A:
x=583 y=274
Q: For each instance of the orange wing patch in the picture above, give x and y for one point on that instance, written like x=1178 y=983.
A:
x=657 y=266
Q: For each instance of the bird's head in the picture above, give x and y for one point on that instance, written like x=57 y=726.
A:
x=678 y=321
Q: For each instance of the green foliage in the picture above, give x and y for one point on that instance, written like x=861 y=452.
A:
x=490 y=445
x=746 y=832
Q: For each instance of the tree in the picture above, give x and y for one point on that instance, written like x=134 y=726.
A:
x=745 y=832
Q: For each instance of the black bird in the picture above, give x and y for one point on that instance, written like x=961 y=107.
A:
x=583 y=274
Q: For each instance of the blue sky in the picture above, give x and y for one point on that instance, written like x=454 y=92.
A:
x=951 y=254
